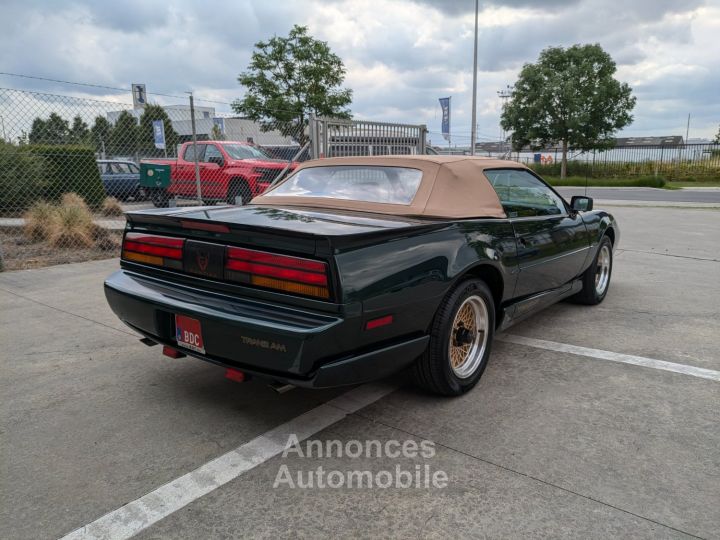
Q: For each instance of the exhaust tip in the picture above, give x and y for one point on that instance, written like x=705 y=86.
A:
x=280 y=388
x=147 y=341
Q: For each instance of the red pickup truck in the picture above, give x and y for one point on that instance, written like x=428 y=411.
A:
x=230 y=171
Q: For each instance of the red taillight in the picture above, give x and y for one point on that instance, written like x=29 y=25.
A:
x=289 y=274
x=276 y=260
x=153 y=249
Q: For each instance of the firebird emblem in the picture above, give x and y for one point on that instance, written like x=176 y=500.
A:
x=203 y=258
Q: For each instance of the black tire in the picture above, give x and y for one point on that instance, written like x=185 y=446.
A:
x=159 y=198
x=239 y=189
x=590 y=295
x=433 y=370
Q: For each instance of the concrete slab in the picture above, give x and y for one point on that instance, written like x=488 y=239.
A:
x=91 y=418
x=646 y=312
x=482 y=500
x=637 y=439
x=678 y=232
x=76 y=288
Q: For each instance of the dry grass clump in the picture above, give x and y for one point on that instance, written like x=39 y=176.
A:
x=69 y=224
x=72 y=226
x=111 y=207
x=39 y=220
x=74 y=200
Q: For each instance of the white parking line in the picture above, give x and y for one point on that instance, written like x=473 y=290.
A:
x=612 y=356
x=139 y=514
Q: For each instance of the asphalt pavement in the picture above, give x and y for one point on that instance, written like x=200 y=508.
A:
x=590 y=422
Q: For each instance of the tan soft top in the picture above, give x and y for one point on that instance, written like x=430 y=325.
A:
x=451 y=187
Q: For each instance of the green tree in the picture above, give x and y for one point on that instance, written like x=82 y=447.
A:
x=146 y=137
x=124 y=136
x=101 y=133
x=54 y=130
x=79 y=132
x=569 y=97
x=290 y=77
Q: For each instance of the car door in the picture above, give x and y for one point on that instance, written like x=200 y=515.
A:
x=126 y=182
x=106 y=177
x=186 y=185
x=552 y=242
x=211 y=171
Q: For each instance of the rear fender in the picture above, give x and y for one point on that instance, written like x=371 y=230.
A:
x=408 y=277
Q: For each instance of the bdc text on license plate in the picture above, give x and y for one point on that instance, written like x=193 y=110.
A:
x=188 y=333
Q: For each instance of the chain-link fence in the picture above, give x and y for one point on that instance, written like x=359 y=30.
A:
x=669 y=160
x=70 y=167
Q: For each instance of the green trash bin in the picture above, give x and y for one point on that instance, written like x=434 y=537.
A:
x=154 y=180
x=154 y=175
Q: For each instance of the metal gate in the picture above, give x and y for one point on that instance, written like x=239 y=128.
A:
x=331 y=137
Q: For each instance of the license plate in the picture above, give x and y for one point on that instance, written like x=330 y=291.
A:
x=189 y=334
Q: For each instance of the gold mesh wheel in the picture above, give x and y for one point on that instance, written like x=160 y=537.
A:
x=468 y=336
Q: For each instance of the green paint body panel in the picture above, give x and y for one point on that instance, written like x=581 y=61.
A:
x=380 y=265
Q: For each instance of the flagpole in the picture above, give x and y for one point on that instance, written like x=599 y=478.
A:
x=473 y=127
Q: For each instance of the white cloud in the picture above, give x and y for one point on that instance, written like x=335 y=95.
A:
x=401 y=55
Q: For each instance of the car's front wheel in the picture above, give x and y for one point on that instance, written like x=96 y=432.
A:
x=460 y=339
x=596 y=279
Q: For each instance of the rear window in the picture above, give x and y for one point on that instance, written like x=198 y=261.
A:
x=391 y=185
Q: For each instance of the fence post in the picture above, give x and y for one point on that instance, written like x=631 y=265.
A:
x=195 y=157
x=312 y=135
x=423 y=135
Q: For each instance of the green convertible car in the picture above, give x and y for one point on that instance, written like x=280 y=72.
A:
x=354 y=268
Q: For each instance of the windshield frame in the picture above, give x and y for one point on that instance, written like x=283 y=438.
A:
x=261 y=154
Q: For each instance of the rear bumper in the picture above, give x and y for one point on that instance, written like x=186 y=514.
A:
x=291 y=345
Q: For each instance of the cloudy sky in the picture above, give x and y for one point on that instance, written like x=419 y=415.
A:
x=401 y=55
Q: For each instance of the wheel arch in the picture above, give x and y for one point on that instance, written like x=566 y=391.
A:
x=236 y=181
x=493 y=278
x=610 y=233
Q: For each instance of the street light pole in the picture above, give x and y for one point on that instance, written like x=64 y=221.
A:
x=473 y=134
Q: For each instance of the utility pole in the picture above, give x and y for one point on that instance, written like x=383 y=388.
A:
x=473 y=135
x=504 y=94
x=687 y=130
x=195 y=157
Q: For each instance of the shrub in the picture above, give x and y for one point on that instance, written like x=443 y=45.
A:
x=68 y=169
x=111 y=207
x=39 y=220
x=22 y=179
x=641 y=181
x=702 y=169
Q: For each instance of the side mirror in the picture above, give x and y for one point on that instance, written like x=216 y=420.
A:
x=580 y=203
x=217 y=160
